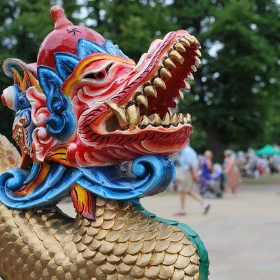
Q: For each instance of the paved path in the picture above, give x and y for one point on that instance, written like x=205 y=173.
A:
x=242 y=234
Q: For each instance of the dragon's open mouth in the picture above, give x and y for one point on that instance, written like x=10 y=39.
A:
x=165 y=73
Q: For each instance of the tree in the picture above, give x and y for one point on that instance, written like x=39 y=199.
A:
x=269 y=27
x=133 y=25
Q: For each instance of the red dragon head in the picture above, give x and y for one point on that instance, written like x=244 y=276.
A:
x=98 y=107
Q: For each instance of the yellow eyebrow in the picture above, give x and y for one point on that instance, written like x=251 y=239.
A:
x=73 y=79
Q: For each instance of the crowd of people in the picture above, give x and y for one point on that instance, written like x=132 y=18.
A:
x=200 y=178
x=253 y=166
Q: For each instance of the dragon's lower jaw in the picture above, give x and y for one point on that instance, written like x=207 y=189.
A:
x=119 y=147
x=149 y=141
x=116 y=148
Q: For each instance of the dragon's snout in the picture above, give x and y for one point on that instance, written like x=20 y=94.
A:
x=151 y=93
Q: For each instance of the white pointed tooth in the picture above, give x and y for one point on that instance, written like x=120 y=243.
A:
x=190 y=39
x=179 y=47
x=149 y=90
x=119 y=113
x=197 y=62
x=165 y=73
x=194 y=69
x=193 y=39
x=176 y=56
x=174 y=120
x=133 y=116
x=168 y=63
x=187 y=85
x=137 y=112
x=181 y=92
x=185 y=42
x=190 y=77
x=145 y=121
x=156 y=121
x=198 y=53
x=189 y=118
x=158 y=82
x=180 y=118
x=196 y=41
x=142 y=99
x=166 y=120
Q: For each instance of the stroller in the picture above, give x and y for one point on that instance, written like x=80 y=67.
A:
x=214 y=187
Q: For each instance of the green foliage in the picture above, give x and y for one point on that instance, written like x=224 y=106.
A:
x=133 y=25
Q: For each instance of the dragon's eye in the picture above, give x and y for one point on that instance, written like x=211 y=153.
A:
x=99 y=75
x=90 y=76
x=96 y=76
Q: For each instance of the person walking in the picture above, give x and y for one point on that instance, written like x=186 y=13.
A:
x=231 y=172
x=188 y=179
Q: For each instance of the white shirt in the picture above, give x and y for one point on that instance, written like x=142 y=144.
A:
x=187 y=158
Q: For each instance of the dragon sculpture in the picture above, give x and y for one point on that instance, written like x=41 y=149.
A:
x=93 y=126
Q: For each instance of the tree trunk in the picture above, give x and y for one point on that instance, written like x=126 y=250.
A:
x=215 y=145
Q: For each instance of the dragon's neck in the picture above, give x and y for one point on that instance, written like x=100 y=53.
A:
x=122 y=241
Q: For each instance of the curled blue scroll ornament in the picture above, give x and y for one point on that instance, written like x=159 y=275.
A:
x=149 y=175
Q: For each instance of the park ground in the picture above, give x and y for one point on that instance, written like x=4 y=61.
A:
x=240 y=233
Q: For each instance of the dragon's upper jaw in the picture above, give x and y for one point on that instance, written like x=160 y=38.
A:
x=152 y=87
